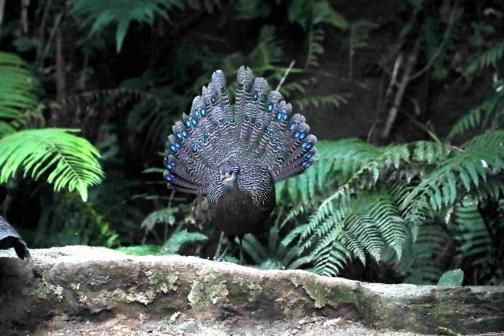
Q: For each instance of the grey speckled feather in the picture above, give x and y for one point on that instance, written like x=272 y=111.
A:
x=234 y=154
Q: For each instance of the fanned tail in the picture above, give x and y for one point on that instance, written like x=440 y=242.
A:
x=261 y=125
x=271 y=133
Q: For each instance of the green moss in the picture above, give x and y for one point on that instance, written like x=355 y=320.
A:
x=162 y=281
x=322 y=294
x=207 y=290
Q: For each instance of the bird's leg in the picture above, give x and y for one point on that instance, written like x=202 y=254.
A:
x=219 y=246
x=240 y=240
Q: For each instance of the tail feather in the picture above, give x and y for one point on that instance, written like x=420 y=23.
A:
x=260 y=125
x=244 y=80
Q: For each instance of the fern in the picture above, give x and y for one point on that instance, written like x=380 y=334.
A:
x=365 y=215
x=101 y=14
x=334 y=100
x=70 y=161
x=279 y=253
x=477 y=238
x=315 y=47
x=486 y=59
x=362 y=225
x=246 y=10
x=65 y=220
x=464 y=171
x=17 y=92
x=165 y=215
x=358 y=37
x=140 y=250
x=303 y=188
x=489 y=114
x=173 y=245
x=307 y=13
x=418 y=263
x=267 y=52
x=179 y=239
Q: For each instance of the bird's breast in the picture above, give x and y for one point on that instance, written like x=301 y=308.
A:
x=235 y=213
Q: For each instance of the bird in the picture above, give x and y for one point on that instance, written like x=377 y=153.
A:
x=233 y=154
x=13 y=239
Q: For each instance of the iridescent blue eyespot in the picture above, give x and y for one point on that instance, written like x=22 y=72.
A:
x=194 y=148
x=203 y=112
x=270 y=107
x=279 y=116
x=194 y=121
x=171 y=165
x=173 y=148
x=188 y=123
x=302 y=135
x=178 y=135
x=169 y=177
x=184 y=133
x=306 y=164
x=292 y=126
x=255 y=96
x=309 y=155
x=296 y=134
x=285 y=116
x=307 y=145
x=213 y=100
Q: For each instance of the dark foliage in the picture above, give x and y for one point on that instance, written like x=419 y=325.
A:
x=417 y=190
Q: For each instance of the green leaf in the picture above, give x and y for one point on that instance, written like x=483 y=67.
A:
x=100 y=14
x=140 y=250
x=179 y=239
x=122 y=29
x=67 y=160
x=453 y=278
x=17 y=91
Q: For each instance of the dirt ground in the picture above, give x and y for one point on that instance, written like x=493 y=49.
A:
x=121 y=325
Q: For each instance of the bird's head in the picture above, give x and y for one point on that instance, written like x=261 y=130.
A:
x=228 y=174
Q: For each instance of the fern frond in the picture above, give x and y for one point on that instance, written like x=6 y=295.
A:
x=487 y=58
x=297 y=85
x=462 y=172
x=363 y=225
x=101 y=14
x=280 y=253
x=165 y=215
x=315 y=47
x=473 y=237
x=17 y=92
x=333 y=100
x=358 y=39
x=489 y=114
x=179 y=239
x=70 y=161
x=308 y=13
x=267 y=52
x=418 y=263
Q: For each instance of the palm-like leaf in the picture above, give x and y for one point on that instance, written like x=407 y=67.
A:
x=70 y=161
x=100 y=14
x=17 y=92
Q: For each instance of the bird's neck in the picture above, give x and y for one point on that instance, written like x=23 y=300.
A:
x=230 y=186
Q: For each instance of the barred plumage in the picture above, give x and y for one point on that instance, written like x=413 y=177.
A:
x=234 y=154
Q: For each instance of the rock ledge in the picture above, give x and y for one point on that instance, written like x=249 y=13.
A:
x=98 y=284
